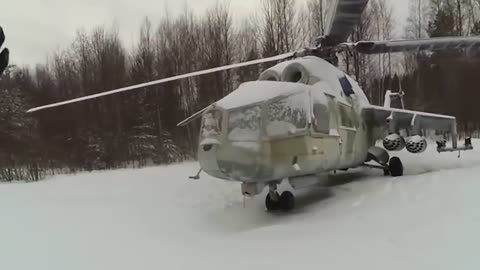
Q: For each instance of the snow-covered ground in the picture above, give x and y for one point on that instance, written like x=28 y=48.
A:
x=157 y=219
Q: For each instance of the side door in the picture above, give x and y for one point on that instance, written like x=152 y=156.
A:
x=348 y=124
x=326 y=140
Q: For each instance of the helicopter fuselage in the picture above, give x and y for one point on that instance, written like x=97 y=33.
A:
x=300 y=119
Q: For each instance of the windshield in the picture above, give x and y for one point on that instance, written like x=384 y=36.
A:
x=286 y=116
x=244 y=124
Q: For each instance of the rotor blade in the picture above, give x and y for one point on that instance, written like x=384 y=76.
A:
x=4 y=57
x=193 y=74
x=2 y=36
x=345 y=16
x=441 y=43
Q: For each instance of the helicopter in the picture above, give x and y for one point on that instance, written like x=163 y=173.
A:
x=304 y=117
x=4 y=54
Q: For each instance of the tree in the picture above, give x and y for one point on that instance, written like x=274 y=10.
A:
x=19 y=157
x=279 y=27
x=382 y=16
x=417 y=21
x=139 y=127
x=246 y=49
x=476 y=28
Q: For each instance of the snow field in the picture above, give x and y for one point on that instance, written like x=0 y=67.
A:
x=155 y=218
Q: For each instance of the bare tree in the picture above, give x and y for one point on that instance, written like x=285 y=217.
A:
x=312 y=21
x=279 y=28
x=318 y=15
x=359 y=65
x=382 y=17
x=417 y=20
x=140 y=126
x=246 y=47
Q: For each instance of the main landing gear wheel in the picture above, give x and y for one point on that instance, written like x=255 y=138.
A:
x=395 y=167
x=285 y=202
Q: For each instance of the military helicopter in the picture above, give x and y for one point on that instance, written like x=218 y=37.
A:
x=304 y=117
x=4 y=54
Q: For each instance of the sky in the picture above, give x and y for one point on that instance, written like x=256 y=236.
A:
x=35 y=28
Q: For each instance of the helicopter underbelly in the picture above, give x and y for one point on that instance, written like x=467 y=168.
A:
x=278 y=159
x=240 y=161
x=302 y=155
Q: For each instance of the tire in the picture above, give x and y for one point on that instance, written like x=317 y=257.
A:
x=396 y=167
x=270 y=204
x=287 y=201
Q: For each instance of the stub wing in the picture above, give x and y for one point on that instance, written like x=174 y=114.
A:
x=393 y=120
x=377 y=116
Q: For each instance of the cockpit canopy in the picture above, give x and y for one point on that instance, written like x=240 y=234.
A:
x=259 y=110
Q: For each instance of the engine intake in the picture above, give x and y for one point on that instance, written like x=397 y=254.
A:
x=394 y=142
x=416 y=144
x=269 y=75
x=296 y=73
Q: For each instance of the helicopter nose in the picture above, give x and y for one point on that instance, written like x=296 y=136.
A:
x=208 y=159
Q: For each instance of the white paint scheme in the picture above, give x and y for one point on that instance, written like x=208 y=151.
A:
x=343 y=147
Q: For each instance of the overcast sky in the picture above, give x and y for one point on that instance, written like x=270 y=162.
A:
x=35 y=28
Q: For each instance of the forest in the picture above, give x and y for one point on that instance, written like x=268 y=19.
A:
x=139 y=128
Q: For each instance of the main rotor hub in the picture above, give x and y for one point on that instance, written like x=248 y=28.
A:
x=327 y=41
x=325 y=47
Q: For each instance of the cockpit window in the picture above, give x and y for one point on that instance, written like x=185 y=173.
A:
x=244 y=124
x=211 y=124
x=286 y=116
x=321 y=112
x=347 y=116
x=322 y=118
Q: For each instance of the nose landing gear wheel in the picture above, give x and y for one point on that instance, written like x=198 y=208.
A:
x=285 y=202
x=272 y=204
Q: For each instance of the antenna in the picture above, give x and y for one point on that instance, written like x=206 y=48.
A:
x=401 y=93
